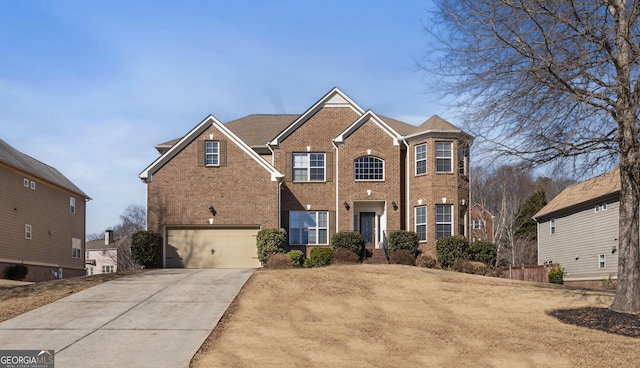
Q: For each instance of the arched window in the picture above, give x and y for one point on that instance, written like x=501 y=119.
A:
x=368 y=168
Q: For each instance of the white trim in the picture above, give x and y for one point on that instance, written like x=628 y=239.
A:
x=210 y=120
x=376 y=119
x=324 y=101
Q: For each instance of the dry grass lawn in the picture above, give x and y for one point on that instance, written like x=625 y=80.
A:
x=400 y=316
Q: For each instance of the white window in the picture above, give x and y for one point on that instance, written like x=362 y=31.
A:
x=308 y=166
x=308 y=227
x=28 y=231
x=444 y=220
x=72 y=205
x=107 y=268
x=476 y=224
x=602 y=261
x=421 y=159
x=368 y=168
x=444 y=156
x=463 y=150
x=211 y=153
x=76 y=248
x=26 y=183
x=553 y=226
x=600 y=207
x=421 y=222
x=33 y=185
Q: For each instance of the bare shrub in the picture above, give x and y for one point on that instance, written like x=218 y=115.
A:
x=343 y=256
x=425 y=260
x=278 y=261
x=403 y=257
x=472 y=267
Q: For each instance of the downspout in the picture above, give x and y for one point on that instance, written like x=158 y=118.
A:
x=407 y=193
x=280 y=180
x=333 y=143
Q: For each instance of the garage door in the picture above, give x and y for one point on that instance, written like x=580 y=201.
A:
x=212 y=248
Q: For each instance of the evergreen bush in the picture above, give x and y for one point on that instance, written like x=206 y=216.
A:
x=320 y=257
x=349 y=240
x=270 y=241
x=146 y=249
x=406 y=240
x=296 y=257
x=450 y=249
x=16 y=272
x=556 y=274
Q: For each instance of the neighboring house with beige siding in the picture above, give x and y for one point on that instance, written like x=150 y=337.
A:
x=335 y=167
x=578 y=229
x=42 y=218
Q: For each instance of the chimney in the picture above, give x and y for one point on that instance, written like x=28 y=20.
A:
x=108 y=237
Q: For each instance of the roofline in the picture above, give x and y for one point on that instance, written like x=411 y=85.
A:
x=434 y=131
x=210 y=120
x=60 y=187
x=311 y=111
x=571 y=207
x=369 y=114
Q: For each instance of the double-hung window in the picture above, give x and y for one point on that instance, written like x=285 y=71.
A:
x=552 y=225
x=308 y=227
x=72 y=205
x=421 y=222
x=444 y=157
x=368 y=168
x=28 y=231
x=421 y=159
x=76 y=248
x=211 y=153
x=476 y=224
x=444 y=220
x=602 y=261
x=309 y=167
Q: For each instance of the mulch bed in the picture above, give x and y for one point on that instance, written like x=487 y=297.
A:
x=601 y=319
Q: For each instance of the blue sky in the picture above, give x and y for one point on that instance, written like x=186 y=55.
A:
x=89 y=87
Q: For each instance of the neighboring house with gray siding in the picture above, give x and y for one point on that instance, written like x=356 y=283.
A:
x=578 y=229
x=42 y=218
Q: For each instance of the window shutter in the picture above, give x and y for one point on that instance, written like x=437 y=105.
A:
x=222 y=146
x=288 y=175
x=328 y=161
x=284 y=223
x=200 y=153
x=332 y=224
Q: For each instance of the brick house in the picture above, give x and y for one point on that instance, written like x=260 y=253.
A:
x=481 y=224
x=336 y=167
x=42 y=218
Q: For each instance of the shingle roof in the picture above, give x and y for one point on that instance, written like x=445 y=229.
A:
x=399 y=126
x=259 y=129
x=99 y=244
x=17 y=159
x=601 y=186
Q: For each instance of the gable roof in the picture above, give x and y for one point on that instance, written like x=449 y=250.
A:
x=436 y=124
x=369 y=115
x=28 y=164
x=335 y=98
x=210 y=120
x=601 y=186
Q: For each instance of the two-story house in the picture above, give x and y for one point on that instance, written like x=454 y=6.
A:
x=42 y=218
x=579 y=229
x=104 y=255
x=481 y=224
x=335 y=167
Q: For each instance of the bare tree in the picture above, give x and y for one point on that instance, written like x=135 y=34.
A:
x=554 y=80
x=132 y=220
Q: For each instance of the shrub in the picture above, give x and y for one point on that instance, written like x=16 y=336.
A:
x=146 y=249
x=278 y=261
x=349 y=240
x=450 y=249
x=482 y=251
x=344 y=256
x=556 y=275
x=467 y=266
x=425 y=260
x=320 y=257
x=296 y=257
x=270 y=241
x=403 y=257
x=16 y=272
x=405 y=240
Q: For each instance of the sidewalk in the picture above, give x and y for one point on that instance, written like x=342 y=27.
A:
x=158 y=318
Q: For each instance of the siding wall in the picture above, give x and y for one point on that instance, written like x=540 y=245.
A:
x=46 y=209
x=581 y=236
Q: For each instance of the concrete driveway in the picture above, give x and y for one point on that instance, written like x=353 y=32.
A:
x=158 y=318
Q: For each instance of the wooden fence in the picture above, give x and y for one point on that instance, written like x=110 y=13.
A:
x=528 y=273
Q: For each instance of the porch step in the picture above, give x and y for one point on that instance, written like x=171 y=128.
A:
x=375 y=256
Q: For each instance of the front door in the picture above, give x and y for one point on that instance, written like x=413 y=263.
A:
x=367 y=228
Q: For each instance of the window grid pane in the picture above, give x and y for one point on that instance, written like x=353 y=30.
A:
x=421 y=222
x=308 y=166
x=443 y=156
x=421 y=159
x=211 y=152
x=308 y=227
x=368 y=168
x=444 y=220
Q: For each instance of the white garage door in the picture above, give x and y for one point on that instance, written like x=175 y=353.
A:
x=211 y=248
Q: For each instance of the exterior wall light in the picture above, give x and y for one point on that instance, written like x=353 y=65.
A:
x=346 y=205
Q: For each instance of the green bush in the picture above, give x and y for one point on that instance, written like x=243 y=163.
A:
x=556 y=275
x=146 y=249
x=482 y=251
x=296 y=257
x=320 y=257
x=16 y=272
x=349 y=240
x=406 y=240
x=450 y=249
x=425 y=260
x=278 y=261
x=403 y=257
x=344 y=256
x=270 y=241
